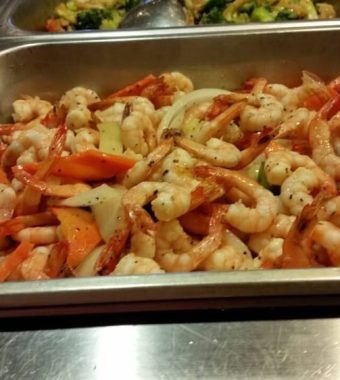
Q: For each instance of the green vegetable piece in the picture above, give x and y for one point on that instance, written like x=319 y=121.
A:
x=72 y=6
x=262 y=14
x=62 y=11
x=262 y=178
x=114 y=20
x=110 y=140
x=214 y=16
x=286 y=14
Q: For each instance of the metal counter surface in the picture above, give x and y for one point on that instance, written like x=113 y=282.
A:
x=256 y=349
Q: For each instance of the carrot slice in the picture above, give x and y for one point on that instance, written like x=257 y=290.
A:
x=90 y=165
x=14 y=259
x=80 y=232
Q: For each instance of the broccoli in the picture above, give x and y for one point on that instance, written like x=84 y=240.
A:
x=212 y=12
x=286 y=14
x=262 y=14
x=97 y=18
x=214 y=16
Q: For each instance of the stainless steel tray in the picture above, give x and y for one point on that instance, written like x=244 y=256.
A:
x=47 y=68
x=28 y=17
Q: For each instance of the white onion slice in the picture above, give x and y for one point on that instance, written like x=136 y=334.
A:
x=175 y=114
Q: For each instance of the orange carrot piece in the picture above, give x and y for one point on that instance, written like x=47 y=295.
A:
x=80 y=232
x=14 y=259
x=90 y=165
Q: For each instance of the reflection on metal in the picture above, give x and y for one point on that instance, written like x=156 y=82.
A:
x=296 y=349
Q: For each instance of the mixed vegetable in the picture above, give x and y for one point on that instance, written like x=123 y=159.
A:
x=107 y=14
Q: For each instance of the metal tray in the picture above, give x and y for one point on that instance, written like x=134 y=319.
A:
x=216 y=59
x=28 y=17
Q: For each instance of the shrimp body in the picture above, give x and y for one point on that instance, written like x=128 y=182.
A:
x=323 y=152
x=190 y=259
x=232 y=255
x=327 y=235
x=177 y=168
x=294 y=97
x=215 y=151
x=38 y=235
x=262 y=111
x=238 y=215
x=168 y=201
x=30 y=146
x=131 y=264
x=138 y=133
x=8 y=201
x=85 y=139
x=296 y=123
x=296 y=189
x=144 y=168
x=76 y=101
x=30 y=108
x=178 y=81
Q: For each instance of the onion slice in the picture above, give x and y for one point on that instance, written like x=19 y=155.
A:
x=175 y=114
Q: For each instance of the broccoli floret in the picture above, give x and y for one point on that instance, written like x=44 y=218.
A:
x=214 y=16
x=247 y=7
x=286 y=14
x=216 y=4
x=93 y=18
x=89 y=19
x=262 y=14
x=114 y=20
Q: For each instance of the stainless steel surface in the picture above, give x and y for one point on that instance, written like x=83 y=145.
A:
x=290 y=349
x=155 y=14
x=217 y=59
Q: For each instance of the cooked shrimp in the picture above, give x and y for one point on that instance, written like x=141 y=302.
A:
x=271 y=253
x=296 y=123
x=177 y=168
x=294 y=97
x=178 y=81
x=322 y=150
x=168 y=201
x=85 y=139
x=218 y=125
x=144 y=168
x=76 y=102
x=279 y=165
x=38 y=235
x=296 y=189
x=278 y=229
x=30 y=108
x=189 y=260
x=232 y=255
x=132 y=264
x=29 y=146
x=33 y=267
x=138 y=133
x=262 y=111
x=8 y=201
x=238 y=215
x=215 y=151
x=297 y=249
x=327 y=235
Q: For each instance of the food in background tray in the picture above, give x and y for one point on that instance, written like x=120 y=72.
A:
x=159 y=177
x=88 y=14
x=242 y=11
x=107 y=14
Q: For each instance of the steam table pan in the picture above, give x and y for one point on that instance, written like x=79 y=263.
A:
x=48 y=68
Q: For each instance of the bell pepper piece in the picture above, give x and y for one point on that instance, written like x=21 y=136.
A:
x=79 y=231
